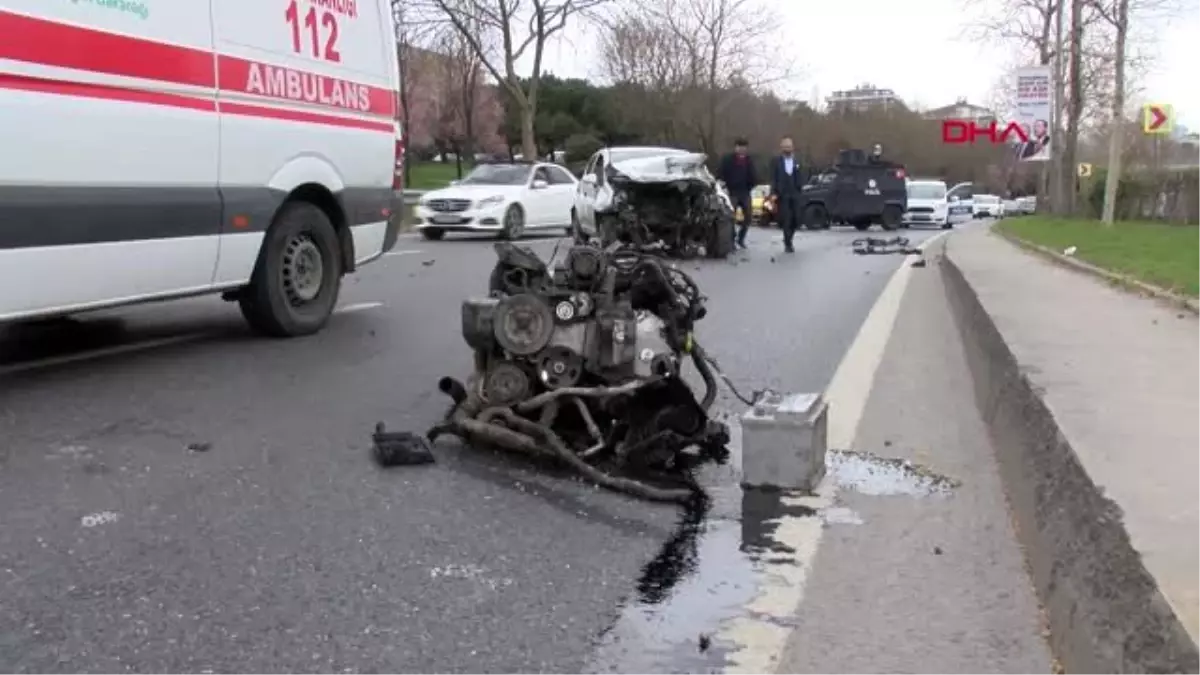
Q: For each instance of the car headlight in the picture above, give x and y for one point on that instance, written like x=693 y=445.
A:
x=494 y=200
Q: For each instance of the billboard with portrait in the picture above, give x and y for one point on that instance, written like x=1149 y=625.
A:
x=1034 y=103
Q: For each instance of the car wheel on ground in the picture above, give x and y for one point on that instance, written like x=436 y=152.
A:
x=892 y=217
x=432 y=233
x=514 y=223
x=947 y=225
x=298 y=274
x=720 y=238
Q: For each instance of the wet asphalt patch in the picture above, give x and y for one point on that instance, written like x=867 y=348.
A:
x=719 y=555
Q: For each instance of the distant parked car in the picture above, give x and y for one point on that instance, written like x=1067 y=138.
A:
x=988 y=206
x=761 y=206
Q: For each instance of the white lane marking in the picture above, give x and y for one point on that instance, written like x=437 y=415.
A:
x=100 y=353
x=759 y=636
x=357 y=307
x=389 y=254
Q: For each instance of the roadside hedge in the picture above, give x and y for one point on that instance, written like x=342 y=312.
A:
x=1171 y=196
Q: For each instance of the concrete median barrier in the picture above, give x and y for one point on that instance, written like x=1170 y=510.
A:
x=1105 y=610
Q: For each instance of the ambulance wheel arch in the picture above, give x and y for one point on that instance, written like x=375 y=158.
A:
x=311 y=179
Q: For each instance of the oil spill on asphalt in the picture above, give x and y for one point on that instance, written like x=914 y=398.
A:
x=720 y=552
x=705 y=574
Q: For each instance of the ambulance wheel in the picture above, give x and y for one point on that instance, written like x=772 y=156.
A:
x=298 y=275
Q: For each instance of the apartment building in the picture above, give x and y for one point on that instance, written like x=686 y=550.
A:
x=862 y=98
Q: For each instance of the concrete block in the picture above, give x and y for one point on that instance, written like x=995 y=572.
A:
x=784 y=441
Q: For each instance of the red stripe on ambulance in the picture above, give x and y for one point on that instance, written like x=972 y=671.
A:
x=62 y=45
x=49 y=43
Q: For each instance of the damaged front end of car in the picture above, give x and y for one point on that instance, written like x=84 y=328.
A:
x=671 y=203
x=583 y=364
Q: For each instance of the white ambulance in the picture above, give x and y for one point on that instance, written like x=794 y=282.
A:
x=158 y=149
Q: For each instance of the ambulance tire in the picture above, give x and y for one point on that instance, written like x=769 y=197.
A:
x=298 y=275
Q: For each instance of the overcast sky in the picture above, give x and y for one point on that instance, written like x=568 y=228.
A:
x=918 y=49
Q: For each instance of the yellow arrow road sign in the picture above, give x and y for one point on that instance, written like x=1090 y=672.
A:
x=1157 y=118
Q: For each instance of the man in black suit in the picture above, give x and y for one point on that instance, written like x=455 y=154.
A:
x=738 y=174
x=786 y=181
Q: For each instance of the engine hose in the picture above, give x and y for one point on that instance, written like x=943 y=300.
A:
x=700 y=359
x=453 y=388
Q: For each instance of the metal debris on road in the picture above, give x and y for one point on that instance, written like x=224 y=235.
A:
x=882 y=246
x=399 y=448
x=582 y=363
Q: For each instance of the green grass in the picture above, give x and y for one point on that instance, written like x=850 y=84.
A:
x=1167 y=256
x=433 y=175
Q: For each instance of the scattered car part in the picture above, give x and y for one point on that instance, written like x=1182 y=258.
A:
x=583 y=363
x=399 y=448
x=880 y=246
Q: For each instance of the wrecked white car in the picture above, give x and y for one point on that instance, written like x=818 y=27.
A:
x=654 y=198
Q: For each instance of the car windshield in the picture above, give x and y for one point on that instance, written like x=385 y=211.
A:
x=622 y=154
x=498 y=174
x=926 y=191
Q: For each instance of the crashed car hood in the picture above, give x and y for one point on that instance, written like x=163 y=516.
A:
x=665 y=168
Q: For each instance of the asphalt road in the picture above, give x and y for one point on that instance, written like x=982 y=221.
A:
x=201 y=499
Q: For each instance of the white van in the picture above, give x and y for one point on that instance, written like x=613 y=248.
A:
x=155 y=150
x=927 y=203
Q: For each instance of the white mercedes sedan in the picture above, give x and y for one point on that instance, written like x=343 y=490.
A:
x=507 y=199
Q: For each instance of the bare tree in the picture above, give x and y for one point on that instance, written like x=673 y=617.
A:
x=493 y=30
x=410 y=31
x=458 y=109
x=700 y=55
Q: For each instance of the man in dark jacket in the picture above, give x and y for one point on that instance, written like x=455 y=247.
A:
x=738 y=174
x=786 y=181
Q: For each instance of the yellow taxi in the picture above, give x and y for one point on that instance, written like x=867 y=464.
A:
x=762 y=207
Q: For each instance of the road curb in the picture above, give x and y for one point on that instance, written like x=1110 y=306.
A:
x=1121 y=280
x=1105 y=611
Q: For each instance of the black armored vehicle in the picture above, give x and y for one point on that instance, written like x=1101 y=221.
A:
x=857 y=190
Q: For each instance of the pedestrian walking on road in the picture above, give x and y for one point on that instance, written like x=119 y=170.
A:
x=738 y=173
x=786 y=182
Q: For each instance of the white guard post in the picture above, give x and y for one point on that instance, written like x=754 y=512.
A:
x=784 y=442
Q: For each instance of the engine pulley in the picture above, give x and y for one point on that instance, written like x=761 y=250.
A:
x=524 y=324
x=584 y=262
x=564 y=311
x=505 y=384
x=560 y=367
